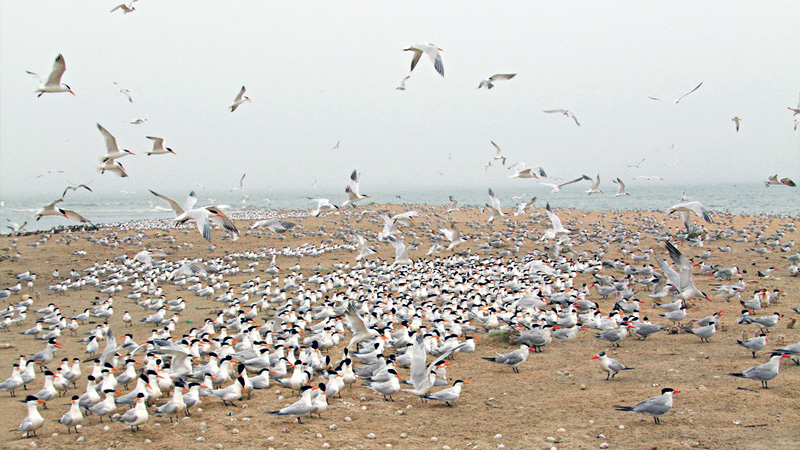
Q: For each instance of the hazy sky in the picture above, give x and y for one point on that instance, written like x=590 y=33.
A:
x=323 y=72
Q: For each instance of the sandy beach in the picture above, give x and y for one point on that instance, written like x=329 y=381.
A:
x=559 y=399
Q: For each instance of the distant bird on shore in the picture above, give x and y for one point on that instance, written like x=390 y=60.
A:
x=678 y=100
x=736 y=120
x=774 y=180
x=564 y=112
x=433 y=53
x=489 y=82
x=53 y=82
x=240 y=98
x=124 y=91
x=158 y=146
x=112 y=150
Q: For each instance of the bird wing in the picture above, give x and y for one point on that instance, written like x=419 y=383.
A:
x=572 y=181
x=418 y=358
x=553 y=111
x=502 y=76
x=172 y=203
x=241 y=181
x=696 y=88
x=72 y=215
x=59 y=66
x=190 y=201
x=355 y=321
x=495 y=201
x=240 y=94
x=497 y=147
x=554 y=220
x=111 y=142
x=575 y=118
x=678 y=258
x=415 y=59
x=157 y=141
x=354 y=183
x=436 y=57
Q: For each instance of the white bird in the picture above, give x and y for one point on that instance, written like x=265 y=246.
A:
x=51 y=209
x=400 y=252
x=654 y=406
x=774 y=180
x=523 y=205
x=241 y=184
x=202 y=216
x=402 y=86
x=489 y=82
x=677 y=100
x=686 y=207
x=557 y=229
x=274 y=225
x=299 y=408
x=610 y=365
x=136 y=415
x=736 y=120
x=75 y=188
x=240 y=98
x=351 y=190
x=360 y=331
x=112 y=150
x=73 y=417
x=433 y=53
x=595 y=189
x=363 y=250
x=453 y=235
x=620 y=188
x=33 y=421
x=124 y=91
x=53 y=82
x=557 y=187
x=114 y=167
x=521 y=172
x=15 y=227
x=453 y=205
x=125 y=8
x=682 y=280
x=448 y=395
x=764 y=372
x=495 y=208
x=322 y=203
x=158 y=146
x=648 y=177
x=564 y=112
x=497 y=155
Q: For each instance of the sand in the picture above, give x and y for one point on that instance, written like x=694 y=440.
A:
x=559 y=399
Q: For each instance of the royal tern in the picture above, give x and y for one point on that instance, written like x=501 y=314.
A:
x=274 y=225
x=51 y=209
x=203 y=216
x=557 y=229
x=677 y=100
x=523 y=205
x=595 y=189
x=453 y=205
x=241 y=184
x=764 y=372
x=685 y=208
x=433 y=53
x=388 y=387
x=158 y=146
x=495 y=208
x=447 y=395
x=489 y=82
x=136 y=415
x=637 y=164
x=736 y=120
x=137 y=121
x=73 y=417
x=402 y=86
x=112 y=150
x=114 y=167
x=610 y=365
x=322 y=203
x=620 y=189
x=299 y=408
x=240 y=98
x=12 y=382
x=453 y=235
x=497 y=156
x=513 y=359
x=352 y=192
x=124 y=91
x=783 y=181
x=704 y=333
x=754 y=344
x=363 y=250
x=557 y=187
x=654 y=406
x=75 y=188
x=564 y=112
x=682 y=279
x=53 y=82
x=521 y=172
x=33 y=421
x=360 y=331
x=401 y=257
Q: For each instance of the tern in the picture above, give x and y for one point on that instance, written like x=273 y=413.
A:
x=240 y=98
x=351 y=190
x=754 y=344
x=112 y=150
x=610 y=365
x=53 y=82
x=654 y=406
x=497 y=155
x=557 y=187
x=620 y=189
x=686 y=207
x=125 y=8
x=648 y=177
x=33 y=421
x=136 y=415
x=521 y=172
x=513 y=359
x=51 y=209
x=564 y=112
x=322 y=203
x=453 y=205
x=453 y=235
x=274 y=225
x=637 y=164
x=557 y=229
x=783 y=181
x=299 y=408
x=241 y=184
x=402 y=86
x=360 y=331
x=678 y=100
x=363 y=250
x=75 y=188
x=202 y=216
x=495 y=207
x=114 y=167
x=448 y=395
x=489 y=82
x=433 y=53
x=736 y=120
x=595 y=189
x=401 y=257
x=521 y=207
x=73 y=417
x=124 y=91
x=158 y=146
x=682 y=280
x=764 y=372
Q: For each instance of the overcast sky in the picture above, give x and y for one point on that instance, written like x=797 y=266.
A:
x=326 y=72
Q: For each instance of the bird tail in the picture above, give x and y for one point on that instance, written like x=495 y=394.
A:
x=744 y=320
x=274 y=413
x=739 y=375
x=623 y=408
x=628 y=368
x=491 y=359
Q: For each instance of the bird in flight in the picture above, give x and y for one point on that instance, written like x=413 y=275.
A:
x=489 y=82
x=433 y=53
x=53 y=82
x=75 y=188
x=402 y=86
x=678 y=100
x=240 y=98
x=637 y=164
x=564 y=112
x=736 y=120
x=497 y=155
x=125 y=8
x=241 y=184
x=124 y=91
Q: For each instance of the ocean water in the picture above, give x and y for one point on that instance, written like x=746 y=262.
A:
x=105 y=208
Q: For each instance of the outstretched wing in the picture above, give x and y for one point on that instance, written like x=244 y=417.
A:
x=172 y=203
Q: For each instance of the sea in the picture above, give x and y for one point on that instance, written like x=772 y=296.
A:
x=746 y=199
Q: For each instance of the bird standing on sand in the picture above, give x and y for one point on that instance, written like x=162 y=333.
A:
x=299 y=408
x=34 y=420
x=764 y=372
x=610 y=365
x=654 y=406
x=513 y=359
x=448 y=395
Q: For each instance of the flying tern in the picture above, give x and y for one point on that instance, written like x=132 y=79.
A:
x=112 y=150
x=564 y=112
x=158 y=146
x=240 y=98
x=433 y=53
x=489 y=82
x=678 y=100
x=53 y=82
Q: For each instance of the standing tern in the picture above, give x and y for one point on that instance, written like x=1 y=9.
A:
x=610 y=365
x=136 y=415
x=654 y=406
x=112 y=150
x=678 y=100
x=53 y=82
x=433 y=53
x=764 y=372
x=448 y=395
x=33 y=421
x=513 y=359
x=489 y=82
x=73 y=417
x=240 y=98
x=158 y=146
x=754 y=344
x=299 y=408
x=564 y=112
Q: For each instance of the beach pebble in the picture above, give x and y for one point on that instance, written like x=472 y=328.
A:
x=280 y=398
x=319 y=436
x=501 y=446
x=363 y=408
x=200 y=439
x=271 y=438
x=445 y=447
x=583 y=387
x=348 y=419
x=333 y=426
x=561 y=430
x=32 y=444
x=148 y=441
x=371 y=436
x=551 y=439
x=80 y=439
x=409 y=406
x=218 y=446
x=285 y=430
x=388 y=445
x=403 y=435
x=601 y=436
x=199 y=410
x=498 y=436
x=434 y=439
x=604 y=445
x=326 y=445
x=54 y=435
x=106 y=428
x=235 y=431
x=399 y=412
x=246 y=419
x=621 y=427
x=277 y=392
x=363 y=399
